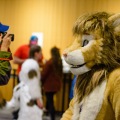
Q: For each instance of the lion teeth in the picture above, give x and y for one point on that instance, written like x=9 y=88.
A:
x=77 y=66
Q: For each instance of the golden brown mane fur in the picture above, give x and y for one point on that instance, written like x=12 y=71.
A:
x=110 y=55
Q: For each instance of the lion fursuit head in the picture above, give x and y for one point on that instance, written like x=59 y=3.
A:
x=95 y=51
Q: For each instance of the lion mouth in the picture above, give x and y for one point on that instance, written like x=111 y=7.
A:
x=77 y=66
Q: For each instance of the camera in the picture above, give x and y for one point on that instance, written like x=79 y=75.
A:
x=11 y=35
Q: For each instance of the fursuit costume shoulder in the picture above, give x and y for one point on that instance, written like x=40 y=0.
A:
x=95 y=57
x=26 y=93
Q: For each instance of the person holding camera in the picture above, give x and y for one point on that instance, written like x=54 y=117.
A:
x=5 y=54
x=5 y=57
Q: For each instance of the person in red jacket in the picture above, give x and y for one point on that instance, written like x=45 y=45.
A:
x=22 y=53
x=51 y=79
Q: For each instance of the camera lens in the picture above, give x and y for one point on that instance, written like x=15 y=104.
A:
x=12 y=37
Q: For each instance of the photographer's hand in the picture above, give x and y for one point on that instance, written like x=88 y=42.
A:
x=5 y=42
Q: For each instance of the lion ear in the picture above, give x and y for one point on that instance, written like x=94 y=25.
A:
x=115 y=22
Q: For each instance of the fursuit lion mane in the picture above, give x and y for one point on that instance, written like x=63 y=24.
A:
x=94 y=57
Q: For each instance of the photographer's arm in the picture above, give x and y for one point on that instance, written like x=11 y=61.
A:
x=5 y=67
x=5 y=56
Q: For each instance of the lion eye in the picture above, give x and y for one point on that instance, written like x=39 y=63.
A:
x=85 y=42
x=86 y=39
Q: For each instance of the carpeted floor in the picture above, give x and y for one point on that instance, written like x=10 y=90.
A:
x=9 y=117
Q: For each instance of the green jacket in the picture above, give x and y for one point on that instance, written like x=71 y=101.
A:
x=5 y=67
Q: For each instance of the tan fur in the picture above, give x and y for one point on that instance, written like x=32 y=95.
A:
x=103 y=54
x=102 y=57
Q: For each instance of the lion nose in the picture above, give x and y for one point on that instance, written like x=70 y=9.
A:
x=65 y=54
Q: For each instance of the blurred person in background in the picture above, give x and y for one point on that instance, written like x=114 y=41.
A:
x=35 y=53
x=27 y=95
x=22 y=53
x=72 y=87
x=51 y=79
